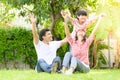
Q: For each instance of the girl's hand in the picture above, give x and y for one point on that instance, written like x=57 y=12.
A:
x=102 y=15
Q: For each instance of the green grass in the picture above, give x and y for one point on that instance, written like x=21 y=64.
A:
x=101 y=74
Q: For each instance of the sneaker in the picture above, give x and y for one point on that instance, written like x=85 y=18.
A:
x=61 y=71
x=54 y=67
x=68 y=72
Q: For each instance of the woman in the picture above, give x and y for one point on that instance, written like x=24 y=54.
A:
x=78 y=60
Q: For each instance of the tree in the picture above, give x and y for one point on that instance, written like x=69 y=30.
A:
x=110 y=25
x=49 y=9
x=5 y=15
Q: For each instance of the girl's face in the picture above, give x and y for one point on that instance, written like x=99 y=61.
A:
x=82 y=18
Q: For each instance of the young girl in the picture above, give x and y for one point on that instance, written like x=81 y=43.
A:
x=81 y=22
x=78 y=59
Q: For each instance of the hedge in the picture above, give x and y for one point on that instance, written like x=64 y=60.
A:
x=17 y=44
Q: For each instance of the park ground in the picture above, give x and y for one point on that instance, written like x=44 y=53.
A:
x=94 y=74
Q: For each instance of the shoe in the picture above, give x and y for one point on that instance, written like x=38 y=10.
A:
x=68 y=72
x=54 y=67
x=61 y=71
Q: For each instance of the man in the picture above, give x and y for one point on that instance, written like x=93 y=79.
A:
x=46 y=49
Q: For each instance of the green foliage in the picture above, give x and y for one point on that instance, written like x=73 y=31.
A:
x=5 y=16
x=16 y=44
x=46 y=8
x=112 y=19
x=101 y=58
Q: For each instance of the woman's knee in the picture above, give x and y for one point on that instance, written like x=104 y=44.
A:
x=87 y=70
x=73 y=59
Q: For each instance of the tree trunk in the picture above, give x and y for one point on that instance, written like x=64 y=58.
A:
x=94 y=55
x=5 y=60
x=117 y=55
x=52 y=16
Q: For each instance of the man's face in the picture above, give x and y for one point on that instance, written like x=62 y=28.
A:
x=48 y=36
x=82 y=18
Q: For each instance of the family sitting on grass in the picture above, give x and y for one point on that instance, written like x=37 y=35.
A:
x=77 y=58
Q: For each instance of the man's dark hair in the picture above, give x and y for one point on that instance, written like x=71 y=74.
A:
x=42 y=33
x=82 y=12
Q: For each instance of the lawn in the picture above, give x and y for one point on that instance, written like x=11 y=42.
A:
x=101 y=74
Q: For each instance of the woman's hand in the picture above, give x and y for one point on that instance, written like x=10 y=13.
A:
x=64 y=15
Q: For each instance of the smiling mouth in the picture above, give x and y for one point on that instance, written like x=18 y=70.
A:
x=82 y=21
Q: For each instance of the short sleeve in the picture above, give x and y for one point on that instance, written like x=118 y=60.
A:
x=39 y=43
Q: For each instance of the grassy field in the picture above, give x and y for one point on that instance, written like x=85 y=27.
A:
x=106 y=74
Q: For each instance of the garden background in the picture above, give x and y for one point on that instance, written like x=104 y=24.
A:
x=16 y=42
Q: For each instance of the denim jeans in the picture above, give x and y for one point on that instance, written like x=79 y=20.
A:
x=42 y=66
x=72 y=62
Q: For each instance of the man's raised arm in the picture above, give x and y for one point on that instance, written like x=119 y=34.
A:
x=34 y=29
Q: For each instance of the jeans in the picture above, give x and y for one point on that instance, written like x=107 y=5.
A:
x=42 y=66
x=72 y=62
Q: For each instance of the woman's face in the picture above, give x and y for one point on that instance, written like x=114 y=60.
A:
x=80 y=33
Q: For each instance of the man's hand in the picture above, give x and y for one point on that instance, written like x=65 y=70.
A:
x=32 y=18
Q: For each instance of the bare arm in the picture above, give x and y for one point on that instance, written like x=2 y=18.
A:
x=93 y=19
x=65 y=16
x=63 y=41
x=34 y=29
x=96 y=27
x=67 y=34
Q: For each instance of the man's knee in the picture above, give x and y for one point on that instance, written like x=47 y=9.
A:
x=58 y=58
x=41 y=60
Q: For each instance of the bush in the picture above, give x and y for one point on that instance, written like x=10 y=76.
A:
x=17 y=44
